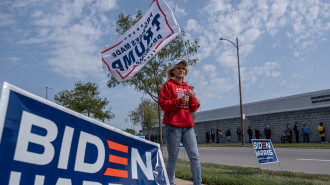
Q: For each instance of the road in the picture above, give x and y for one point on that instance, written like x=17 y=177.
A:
x=312 y=161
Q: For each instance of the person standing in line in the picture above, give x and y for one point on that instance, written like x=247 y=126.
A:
x=228 y=133
x=239 y=134
x=152 y=137
x=288 y=133
x=267 y=132
x=321 y=131
x=207 y=136
x=250 y=133
x=220 y=136
x=217 y=136
x=296 y=131
x=213 y=135
x=257 y=133
x=178 y=101
x=305 y=132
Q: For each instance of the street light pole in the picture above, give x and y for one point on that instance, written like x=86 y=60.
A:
x=47 y=92
x=239 y=82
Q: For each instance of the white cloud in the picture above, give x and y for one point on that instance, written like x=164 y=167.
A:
x=251 y=35
x=208 y=44
x=104 y=5
x=192 y=25
x=270 y=69
x=27 y=3
x=177 y=10
x=215 y=6
x=195 y=73
x=6 y=19
x=197 y=78
x=74 y=64
x=252 y=74
x=248 y=20
x=180 y=11
x=209 y=68
x=37 y=14
x=312 y=15
x=31 y=41
x=15 y=59
x=208 y=82
x=212 y=88
x=278 y=8
x=309 y=22
x=227 y=59
x=245 y=49
x=295 y=76
x=71 y=42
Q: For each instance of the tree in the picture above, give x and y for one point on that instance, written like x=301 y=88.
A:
x=85 y=100
x=131 y=131
x=145 y=114
x=153 y=75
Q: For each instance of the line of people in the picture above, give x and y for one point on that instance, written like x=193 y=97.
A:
x=213 y=136
x=216 y=136
x=288 y=133
x=257 y=134
x=153 y=138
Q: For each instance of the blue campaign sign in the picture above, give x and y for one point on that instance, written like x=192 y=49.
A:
x=44 y=143
x=264 y=151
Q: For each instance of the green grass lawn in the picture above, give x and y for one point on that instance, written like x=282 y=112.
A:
x=222 y=174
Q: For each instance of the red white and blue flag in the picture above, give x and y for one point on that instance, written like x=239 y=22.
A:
x=132 y=50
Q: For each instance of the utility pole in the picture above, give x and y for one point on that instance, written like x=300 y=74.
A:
x=47 y=92
x=239 y=82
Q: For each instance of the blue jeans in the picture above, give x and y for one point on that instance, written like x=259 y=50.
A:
x=187 y=136
x=306 y=138
x=239 y=138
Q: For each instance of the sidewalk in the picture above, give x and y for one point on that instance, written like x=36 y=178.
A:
x=183 y=182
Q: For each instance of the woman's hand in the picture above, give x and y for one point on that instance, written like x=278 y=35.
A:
x=190 y=93
x=185 y=99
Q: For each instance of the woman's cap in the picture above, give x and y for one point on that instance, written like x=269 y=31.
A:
x=177 y=61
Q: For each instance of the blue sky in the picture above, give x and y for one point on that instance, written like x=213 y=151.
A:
x=284 y=47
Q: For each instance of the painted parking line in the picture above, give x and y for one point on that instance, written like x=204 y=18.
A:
x=320 y=160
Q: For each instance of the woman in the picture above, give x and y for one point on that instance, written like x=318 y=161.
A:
x=178 y=101
x=321 y=131
x=239 y=134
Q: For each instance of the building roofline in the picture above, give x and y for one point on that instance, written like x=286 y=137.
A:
x=282 y=104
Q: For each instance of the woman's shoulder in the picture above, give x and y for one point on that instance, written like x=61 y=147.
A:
x=168 y=85
x=170 y=82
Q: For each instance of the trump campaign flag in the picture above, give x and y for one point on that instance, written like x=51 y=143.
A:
x=132 y=50
x=264 y=151
x=42 y=143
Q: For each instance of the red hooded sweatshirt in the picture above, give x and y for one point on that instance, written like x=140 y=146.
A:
x=176 y=113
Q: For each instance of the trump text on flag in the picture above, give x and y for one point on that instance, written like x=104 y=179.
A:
x=132 y=50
